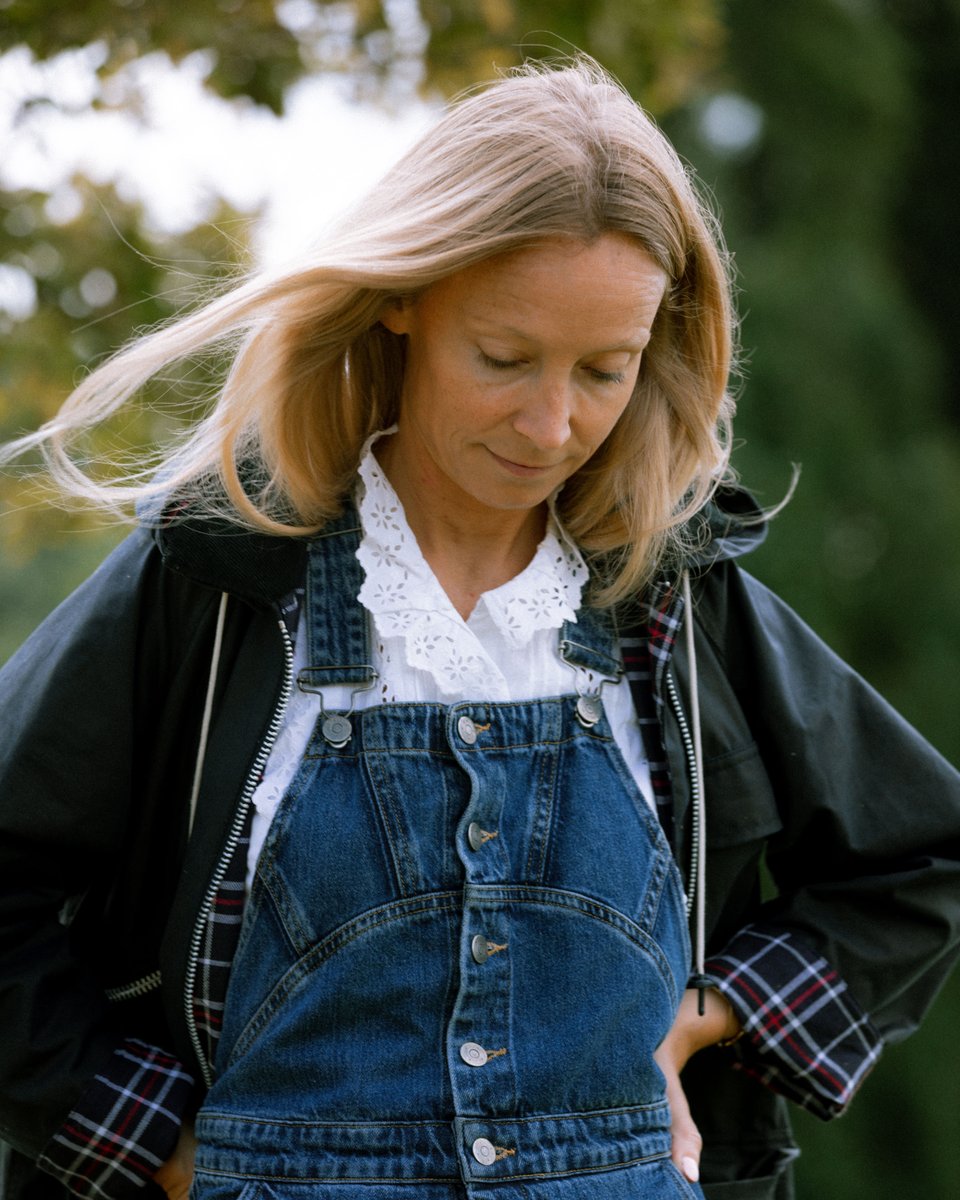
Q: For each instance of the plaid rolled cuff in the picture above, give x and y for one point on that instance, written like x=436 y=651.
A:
x=125 y=1126
x=805 y=1035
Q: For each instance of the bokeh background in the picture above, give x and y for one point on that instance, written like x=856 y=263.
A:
x=827 y=133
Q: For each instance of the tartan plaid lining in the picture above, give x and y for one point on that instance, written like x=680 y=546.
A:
x=222 y=932
x=124 y=1127
x=645 y=659
x=805 y=1035
x=220 y=937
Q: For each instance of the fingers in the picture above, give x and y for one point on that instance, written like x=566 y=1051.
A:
x=686 y=1142
x=176 y=1174
x=691 y=1032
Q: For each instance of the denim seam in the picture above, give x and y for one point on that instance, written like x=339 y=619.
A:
x=390 y=823
x=332 y=944
x=587 y=907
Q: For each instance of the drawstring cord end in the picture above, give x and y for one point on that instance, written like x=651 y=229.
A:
x=701 y=983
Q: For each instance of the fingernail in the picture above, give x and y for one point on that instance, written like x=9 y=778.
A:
x=691 y=1169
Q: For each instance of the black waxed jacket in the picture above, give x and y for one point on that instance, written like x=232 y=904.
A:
x=99 y=885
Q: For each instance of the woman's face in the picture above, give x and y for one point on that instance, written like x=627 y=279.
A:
x=518 y=368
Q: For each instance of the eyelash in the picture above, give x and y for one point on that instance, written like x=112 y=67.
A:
x=499 y=364
x=505 y=364
x=607 y=376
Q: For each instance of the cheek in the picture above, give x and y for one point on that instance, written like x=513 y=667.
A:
x=604 y=423
x=475 y=406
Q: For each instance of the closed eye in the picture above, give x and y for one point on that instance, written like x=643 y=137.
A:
x=606 y=376
x=508 y=364
x=499 y=364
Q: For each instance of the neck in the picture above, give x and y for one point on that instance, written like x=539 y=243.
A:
x=470 y=548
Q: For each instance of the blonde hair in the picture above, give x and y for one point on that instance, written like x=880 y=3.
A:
x=546 y=152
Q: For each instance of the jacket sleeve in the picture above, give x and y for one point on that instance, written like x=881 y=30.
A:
x=865 y=921
x=73 y=708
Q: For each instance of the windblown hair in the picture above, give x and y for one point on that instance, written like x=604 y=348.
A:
x=546 y=152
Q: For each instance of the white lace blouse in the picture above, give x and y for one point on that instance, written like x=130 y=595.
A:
x=424 y=651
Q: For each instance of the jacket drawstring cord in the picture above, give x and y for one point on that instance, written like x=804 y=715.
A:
x=207 y=712
x=699 y=979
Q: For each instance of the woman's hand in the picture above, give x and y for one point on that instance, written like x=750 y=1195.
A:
x=691 y=1032
x=176 y=1174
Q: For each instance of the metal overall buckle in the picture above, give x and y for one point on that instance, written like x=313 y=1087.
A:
x=336 y=727
x=590 y=685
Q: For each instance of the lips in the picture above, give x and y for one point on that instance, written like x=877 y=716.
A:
x=524 y=470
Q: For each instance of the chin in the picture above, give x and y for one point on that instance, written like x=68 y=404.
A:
x=515 y=503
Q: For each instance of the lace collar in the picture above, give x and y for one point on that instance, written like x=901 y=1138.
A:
x=406 y=600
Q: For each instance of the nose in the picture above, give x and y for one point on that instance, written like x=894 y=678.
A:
x=544 y=417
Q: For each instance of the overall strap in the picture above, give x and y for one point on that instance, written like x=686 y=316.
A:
x=592 y=643
x=338 y=636
x=592 y=648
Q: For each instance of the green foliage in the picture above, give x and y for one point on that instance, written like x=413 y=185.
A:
x=845 y=373
x=98 y=279
x=840 y=215
x=255 y=54
x=658 y=50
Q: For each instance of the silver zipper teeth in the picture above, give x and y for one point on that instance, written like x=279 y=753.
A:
x=236 y=829
x=130 y=991
x=694 y=787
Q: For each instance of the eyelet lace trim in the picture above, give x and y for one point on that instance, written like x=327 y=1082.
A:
x=407 y=602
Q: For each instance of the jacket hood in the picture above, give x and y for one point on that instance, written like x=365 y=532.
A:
x=263 y=568
x=729 y=526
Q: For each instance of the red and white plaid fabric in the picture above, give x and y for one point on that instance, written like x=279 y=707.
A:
x=124 y=1127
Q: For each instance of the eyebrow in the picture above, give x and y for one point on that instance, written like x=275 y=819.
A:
x=495 y=329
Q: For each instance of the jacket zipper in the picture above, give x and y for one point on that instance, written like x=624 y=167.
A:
x=236 y=830
x=687 y=738
x=135 y=989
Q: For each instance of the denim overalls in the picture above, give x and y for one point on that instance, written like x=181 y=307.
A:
x=464 y=940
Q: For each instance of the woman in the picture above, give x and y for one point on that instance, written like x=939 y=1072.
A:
x=399 y=712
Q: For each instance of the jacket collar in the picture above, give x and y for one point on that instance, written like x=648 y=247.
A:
x=257 y=567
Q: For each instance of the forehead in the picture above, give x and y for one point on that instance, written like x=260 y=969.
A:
x=571 y=286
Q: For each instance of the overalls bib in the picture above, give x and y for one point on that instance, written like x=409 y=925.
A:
x=464 y=941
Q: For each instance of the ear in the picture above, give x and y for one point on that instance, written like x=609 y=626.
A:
x=397 y=314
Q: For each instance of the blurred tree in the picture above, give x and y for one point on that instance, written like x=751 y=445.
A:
x=926 y=198
x=260 y=47
x=90 y=281
x=811 y=137
x=255 y=54
x=827 y=137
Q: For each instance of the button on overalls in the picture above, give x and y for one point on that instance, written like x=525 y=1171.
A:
x=464 y=940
